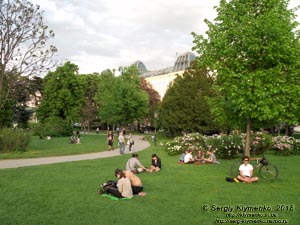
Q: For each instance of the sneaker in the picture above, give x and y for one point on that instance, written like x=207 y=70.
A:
x=141 y=194
x=229 y=179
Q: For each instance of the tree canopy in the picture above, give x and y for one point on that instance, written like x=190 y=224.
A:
x=23 y=40
x=62 y=94
x=184 y=107
x=253 y=49
x=121 y=100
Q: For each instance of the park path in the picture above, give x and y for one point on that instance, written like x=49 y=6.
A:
x=139 y=144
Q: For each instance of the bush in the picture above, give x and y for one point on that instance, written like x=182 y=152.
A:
x=181 y=143
x=260 y=143
x=224 y=146
x=283 y=145
x=14 y=140
x=53 y=127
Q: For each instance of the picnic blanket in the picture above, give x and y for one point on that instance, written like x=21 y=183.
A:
x=114 y=198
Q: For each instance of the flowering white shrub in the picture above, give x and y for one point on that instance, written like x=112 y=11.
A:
x=283 y=145
x=224 y=146
x=230 y=146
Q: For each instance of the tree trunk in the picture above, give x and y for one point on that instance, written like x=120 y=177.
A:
x=248 y=137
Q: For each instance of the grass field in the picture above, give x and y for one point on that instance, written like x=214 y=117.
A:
x=66 y=193
x=60 y=146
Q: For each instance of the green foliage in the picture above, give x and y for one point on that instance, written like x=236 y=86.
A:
x=62 y=94
x=24 y=43
x=253 y=49
x=179 y=144
x=232 y=146
x=224 y=146
x=121 y=99
x=260 y=143
x=6 y=114
x=285 y=145
x=184 y=106
x=53 y=127
x=14 y=140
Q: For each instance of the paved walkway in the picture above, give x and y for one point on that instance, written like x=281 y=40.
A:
x=139 y=144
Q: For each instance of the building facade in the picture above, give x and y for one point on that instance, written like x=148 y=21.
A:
x=161 y=79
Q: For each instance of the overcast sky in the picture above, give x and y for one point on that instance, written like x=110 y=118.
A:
x=105 y=34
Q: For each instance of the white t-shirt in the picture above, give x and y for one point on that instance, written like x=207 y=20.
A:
x=188 y=157
x=246 y=170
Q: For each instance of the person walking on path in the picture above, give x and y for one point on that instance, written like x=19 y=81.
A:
x=130 y=141
x=110 y=141
x=122 y=142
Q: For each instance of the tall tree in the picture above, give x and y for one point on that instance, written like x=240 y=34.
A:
x=132 y=100
x=154 y=101
x=184 y=107
x=23 y=40
x=89 y=109
x=121 y=99
x=254 y=49
x=105 y=98
x=62 y=94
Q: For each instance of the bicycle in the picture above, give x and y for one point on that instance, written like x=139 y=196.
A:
x=266 y=169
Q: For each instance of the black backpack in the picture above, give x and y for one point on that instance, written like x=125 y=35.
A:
x=106 y=185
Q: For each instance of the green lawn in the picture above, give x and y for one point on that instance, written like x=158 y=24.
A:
x=66 y=193
x=60 y=146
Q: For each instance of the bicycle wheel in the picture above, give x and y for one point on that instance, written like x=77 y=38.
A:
x=234 y=169
x=268 y=171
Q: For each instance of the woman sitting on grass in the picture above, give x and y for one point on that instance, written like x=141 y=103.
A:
x=155 y=164
x=123 y=189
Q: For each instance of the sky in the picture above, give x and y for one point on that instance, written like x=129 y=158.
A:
x=105 y=34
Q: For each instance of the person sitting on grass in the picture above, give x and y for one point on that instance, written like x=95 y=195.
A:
x=133 y=165
x=246 y=171
x=199 y=157
x=188 y=158
x=155 y=164
x=212 y=158
x=123 y=189
x=136 y=183
x=181 y=157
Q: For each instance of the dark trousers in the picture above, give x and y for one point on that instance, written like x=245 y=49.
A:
x=137 y=189
x=114 y=191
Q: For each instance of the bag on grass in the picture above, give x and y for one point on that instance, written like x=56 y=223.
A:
x=106 y=185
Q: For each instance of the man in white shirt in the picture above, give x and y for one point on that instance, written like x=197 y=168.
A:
x=188 y=158
x=246 y=171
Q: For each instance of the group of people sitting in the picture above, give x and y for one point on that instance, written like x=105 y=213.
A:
x=129 y=184
x=188 y=158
